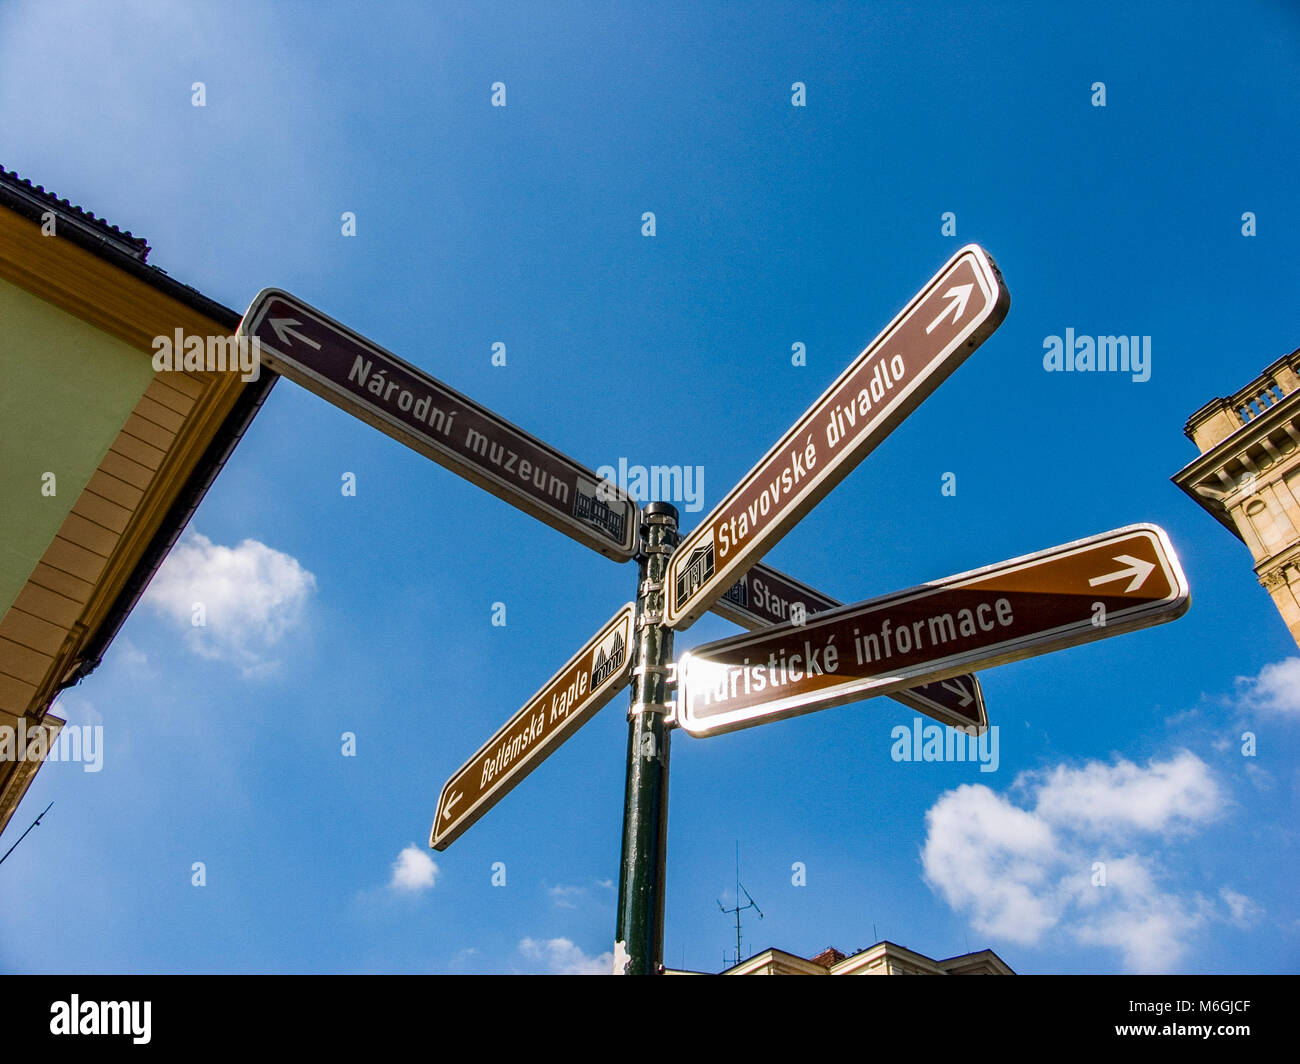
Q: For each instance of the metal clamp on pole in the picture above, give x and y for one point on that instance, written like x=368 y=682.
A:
x=668 y=672
x=664 y=709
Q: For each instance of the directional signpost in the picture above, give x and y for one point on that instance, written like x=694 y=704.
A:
x=404 y=402
x=950 y=317
x=569 y=699
x=765 y=596
x=806 y=651
x=1092 y=589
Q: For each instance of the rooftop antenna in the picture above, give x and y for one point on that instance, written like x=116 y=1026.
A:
x=739 y=908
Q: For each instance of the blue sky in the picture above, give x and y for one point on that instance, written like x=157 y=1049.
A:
x=775 y=225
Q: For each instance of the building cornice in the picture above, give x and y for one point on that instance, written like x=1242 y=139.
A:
x=1251 y=433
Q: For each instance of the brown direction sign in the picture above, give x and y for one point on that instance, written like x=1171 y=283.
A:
x=951 y=316
x=958 y=701
x=404 y=402
x=1091 y=589
x=765 y=596
x=570 y=698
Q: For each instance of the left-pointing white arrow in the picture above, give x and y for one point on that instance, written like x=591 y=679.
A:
x=1138 y=569
x=281 y=327
x=958 y=296
x=446 y=810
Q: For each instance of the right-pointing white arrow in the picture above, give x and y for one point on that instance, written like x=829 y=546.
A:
x=959 y=689
x=1138 y=569
x=958 y=296
x=446 y=809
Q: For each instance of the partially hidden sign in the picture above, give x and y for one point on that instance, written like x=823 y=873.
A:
x=765 y=596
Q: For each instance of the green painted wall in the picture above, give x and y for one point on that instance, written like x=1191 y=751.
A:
x=66 y=389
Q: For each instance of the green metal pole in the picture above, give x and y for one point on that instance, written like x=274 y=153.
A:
x=639 y=938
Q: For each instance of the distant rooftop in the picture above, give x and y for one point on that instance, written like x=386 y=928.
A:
x=884 y=958
x=827 y=957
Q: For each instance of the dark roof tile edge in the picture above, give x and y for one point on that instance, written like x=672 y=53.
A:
x=12 y=178
x=17 y=194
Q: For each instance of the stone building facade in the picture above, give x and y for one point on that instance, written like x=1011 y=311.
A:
x=1248 y=476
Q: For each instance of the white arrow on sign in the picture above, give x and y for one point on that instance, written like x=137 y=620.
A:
x=959 y=689
x=1138 y=569
x=281 y=327
x=446 y=813
x=960 y=296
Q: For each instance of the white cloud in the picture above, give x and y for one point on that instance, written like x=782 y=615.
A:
x=1242 y=909
x=1165 y=796
x=564 y=896
x=1275 y=690
x=567 y=897
x=1132 y=914
x=413 y=870
x=986 y=855
x=249 y=595
x=129 y=652
x=1026 y=874
x=562 y=957
x=76 y=710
